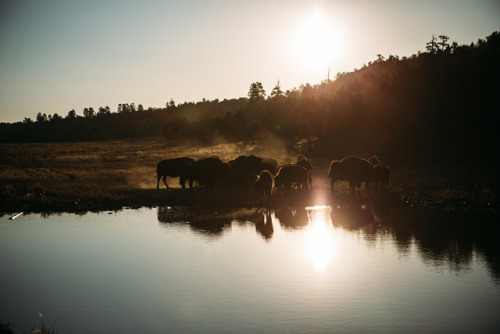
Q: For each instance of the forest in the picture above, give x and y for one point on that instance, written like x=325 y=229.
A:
x=437 y=105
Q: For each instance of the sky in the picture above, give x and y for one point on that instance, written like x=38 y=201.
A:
x=61 y=55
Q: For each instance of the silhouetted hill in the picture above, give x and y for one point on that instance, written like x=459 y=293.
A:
x=437 y=105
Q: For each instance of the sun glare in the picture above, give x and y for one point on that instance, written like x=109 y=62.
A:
x=317 y=42
x=320 y=242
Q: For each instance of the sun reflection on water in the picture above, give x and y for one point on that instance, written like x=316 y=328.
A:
x=320 y=238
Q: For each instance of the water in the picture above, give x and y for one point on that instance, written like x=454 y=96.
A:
x=317 y=270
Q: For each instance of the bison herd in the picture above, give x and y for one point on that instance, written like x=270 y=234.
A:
x=263 y=173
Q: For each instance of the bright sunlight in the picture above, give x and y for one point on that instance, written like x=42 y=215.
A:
x=317 y=42
x=320 y=241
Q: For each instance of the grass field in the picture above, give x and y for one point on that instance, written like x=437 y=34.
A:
x=110 y=175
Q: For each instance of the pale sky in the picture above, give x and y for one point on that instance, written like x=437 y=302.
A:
x=61 y=55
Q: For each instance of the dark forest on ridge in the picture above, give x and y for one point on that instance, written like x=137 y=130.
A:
x=437 y=105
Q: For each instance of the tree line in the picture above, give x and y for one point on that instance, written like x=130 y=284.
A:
x=438 y=104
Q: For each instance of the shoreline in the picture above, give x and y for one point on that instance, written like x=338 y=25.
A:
x=228 y=198
x=112 y=175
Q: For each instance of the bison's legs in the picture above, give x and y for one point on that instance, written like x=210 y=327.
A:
x=161 y=177
x=352 y=186
x=182 y=182
x=210 y=185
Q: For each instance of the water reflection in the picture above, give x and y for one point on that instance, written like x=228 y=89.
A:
x=447 y=239
x=320 y=238
x=264 y=225
x=292 y=218
x=442 y=239
x=214 y=223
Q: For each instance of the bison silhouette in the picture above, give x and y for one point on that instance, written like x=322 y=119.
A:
x=304 y=162
x=269 y=164
x=292 y=175
x=206 y=171
x=353 y=169
x=381 y=176
x=244 y=170
x=264 y=184
x=176 y=167
x=374 y=160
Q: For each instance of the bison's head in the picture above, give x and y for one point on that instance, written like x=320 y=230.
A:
x=334 y=168
x=278 y=180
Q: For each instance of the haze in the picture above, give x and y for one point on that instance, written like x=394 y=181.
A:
x=62 y=55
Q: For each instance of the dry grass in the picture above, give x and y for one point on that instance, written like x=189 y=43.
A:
x=99 y=175
x=109 y=175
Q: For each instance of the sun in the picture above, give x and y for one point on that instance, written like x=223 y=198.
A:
x=317 y=42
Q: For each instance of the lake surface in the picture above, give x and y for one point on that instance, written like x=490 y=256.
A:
x=349 y=269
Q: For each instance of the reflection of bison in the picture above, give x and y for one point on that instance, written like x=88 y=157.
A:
x=264 y=224
x=264 y=184
x=292 y=218
x=290 y=175
x=176 y=167
x=206 y=171
x=244 y=170
x=381 y=176
x=355 y=170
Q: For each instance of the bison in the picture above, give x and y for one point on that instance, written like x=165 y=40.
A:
x=304 y=162
x=374 y=160
x=307 y=164
x=381 y=176
x=353 y=169
x=290 y=175
x=269 y=164
x=244 y=170
x=176 y=167
x=206 y=171
x=264 y=184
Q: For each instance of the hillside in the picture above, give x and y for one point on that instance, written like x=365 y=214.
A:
x=438 y=105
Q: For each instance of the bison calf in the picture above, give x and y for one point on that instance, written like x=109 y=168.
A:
x=264 y=184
